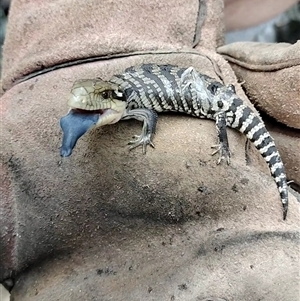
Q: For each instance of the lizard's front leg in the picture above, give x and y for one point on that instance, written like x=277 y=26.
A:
x=149 y=118
x=223 y=147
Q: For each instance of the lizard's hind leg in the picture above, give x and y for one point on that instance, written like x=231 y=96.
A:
x=223 y=147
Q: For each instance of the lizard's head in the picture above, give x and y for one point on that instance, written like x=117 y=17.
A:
x=98 y=96
x=93 y=103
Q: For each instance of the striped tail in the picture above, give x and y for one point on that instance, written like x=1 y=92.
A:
x=247 y=122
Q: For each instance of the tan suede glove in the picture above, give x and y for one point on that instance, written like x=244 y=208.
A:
x=109 y=224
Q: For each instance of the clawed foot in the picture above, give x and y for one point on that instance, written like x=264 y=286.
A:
x=224 y=153
x=143 y=140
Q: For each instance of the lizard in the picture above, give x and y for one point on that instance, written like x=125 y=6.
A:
x=142 y=91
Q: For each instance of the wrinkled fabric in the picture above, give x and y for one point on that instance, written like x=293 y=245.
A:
x=43 y=34
x=271 y=77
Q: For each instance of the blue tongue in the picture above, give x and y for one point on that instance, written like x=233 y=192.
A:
x=74 y=125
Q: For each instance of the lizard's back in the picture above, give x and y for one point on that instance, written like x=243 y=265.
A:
x=159 y=87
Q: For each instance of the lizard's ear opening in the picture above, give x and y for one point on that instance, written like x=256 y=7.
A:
x=117 y=94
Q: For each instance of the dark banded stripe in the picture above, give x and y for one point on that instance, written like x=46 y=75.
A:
x=246 y=112
x=132 y=101
x=236 y=102
x=269 y=152
x=237 y=121
x=151 y=99
x=129 y=84
x=166 y=71
x=254 y=122
x=155 y=78
x=258 y=133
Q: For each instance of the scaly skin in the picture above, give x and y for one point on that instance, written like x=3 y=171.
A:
x=142 y=91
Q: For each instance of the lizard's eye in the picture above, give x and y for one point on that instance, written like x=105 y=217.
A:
x=105 y=94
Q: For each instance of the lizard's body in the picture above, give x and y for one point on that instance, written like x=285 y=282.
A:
x=141 y=91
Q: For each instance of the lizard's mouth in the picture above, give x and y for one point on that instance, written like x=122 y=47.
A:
x=78 y=121
x=82 y=111
x=105 y=116
x=75 y=124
